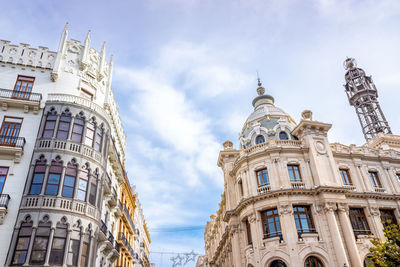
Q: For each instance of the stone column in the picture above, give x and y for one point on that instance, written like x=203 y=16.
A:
x=67 y=241
x=349 y=236
x=61 y=181
x=256 y=236
x=49 y=245
x=288 y=228
x=375 y=214
x=28 y=255
x=92 y=246
x=81 y=234
x=12 y=246
x=46 y=174
x=236 y=246
x=337 y=241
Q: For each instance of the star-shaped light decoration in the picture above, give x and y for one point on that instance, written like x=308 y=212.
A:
x=190 y=257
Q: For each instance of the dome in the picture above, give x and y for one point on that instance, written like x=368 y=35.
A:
x=266 y=121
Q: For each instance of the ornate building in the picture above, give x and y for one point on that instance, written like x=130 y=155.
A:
x=62 y=153
x=291 y=198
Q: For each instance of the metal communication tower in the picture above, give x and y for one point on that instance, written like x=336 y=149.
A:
x=363 y=95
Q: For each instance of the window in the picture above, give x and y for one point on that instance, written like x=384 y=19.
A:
x=278 y=263
x=313 y=262
x=375 y=179
x=345 y=176
x=38 y=177
x=260 y=139
x=22 y=244
x=99 y=138
x=53 y=180
x=82 y=185
x=86 y=94
x=248 y=232
x=73 y=253
x=10 y=131
x=3 y=176
x=359 y=221
x=89 y=133
x=58 y=246
x=283 y=136
x=85 y=252
x=294 y=173
x=387 y=217
x=271 y=224
x=50 y=124
x=23 y=87
x=303 y=219
x=93 y=189
x=398 y=176
x=77 y=129
x=240 y=184
x=262 y=177
x=40 y=242
x=63 y=126
x=69 y=179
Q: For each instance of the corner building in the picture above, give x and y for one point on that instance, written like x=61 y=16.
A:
x=62 y=154
x=291 y=198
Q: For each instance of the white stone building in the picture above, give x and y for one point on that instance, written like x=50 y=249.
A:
x=291 y=198
x=62 y=153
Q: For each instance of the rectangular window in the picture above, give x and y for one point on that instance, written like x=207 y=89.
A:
x=58 y=246
x=271 y=224
x=344 y=173
x=93 y=191
x=262 y=177
x=69 y=184
x=373 y=175
x=10 y=131
x=3 y=176
x=359 y=221
x=82 y=185
x=85 y=252
x=22 y=244
x=52 y=184
x=73 y=253
x=63 y=127
x=294 y=173
x=89 y=134
x=86 y=94
x=77 y=130
x=37 y=178
x=398 y=176
x=99 y=139
x=40 y=244
x=388 y=217
x=303 y=219
x=49 y=126
x=248 y=232
x=23 y=87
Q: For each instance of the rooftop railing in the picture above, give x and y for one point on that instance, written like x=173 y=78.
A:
x=20 y=95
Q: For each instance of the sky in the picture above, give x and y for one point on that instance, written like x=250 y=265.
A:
x=185 y=76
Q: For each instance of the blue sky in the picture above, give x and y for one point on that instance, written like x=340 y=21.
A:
x=185 y=75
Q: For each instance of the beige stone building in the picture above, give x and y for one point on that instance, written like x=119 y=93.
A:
x=291 y=198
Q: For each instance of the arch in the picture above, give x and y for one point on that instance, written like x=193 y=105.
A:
x=313 y=261
x=260 y=139
x=40 y=242
x=283 y=135
x=273 y=255
x=38 y=176
x=54 y=177
x=59 y=242
x=71 y=173
x=23 y=241
x=64 y=124
x=278 y=263
x=316 y=251
x=50 y=123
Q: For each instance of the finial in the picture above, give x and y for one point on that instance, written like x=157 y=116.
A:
x=103 y=48
x=349 y=63
x=260 y=89
x=66 y=26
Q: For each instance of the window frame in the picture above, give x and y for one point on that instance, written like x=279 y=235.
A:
x=309 y=218
x=55 y=164
x=41 y=236
x=2 y=183
x=386 y=217
x=86 y=94
x=93 y=132
x=86 y=180
x=374 y=178
x=60 y=122
x=5 y=138
x=71 y=167
x=58 y=237
x=291 y=170
x=276 y=221
x=284 y=134
x=50 y=113
x=98 y=138
x=313 y=261
x=26 y=93
x=28 y=236
x=257 y=138
x=75 y=125
x=345 y=175
x=39 y=163
x=262 y=177
x=359 y=220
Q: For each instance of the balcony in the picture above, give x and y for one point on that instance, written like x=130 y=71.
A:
x=297 y=185
x=350 y=187
x=379 y=190
x=103 y=232
x=108 y=185
x=129 y=218
x=12 y=146
x=263 y=189
x=4 y=199
x=360 y=232
x=10 y=98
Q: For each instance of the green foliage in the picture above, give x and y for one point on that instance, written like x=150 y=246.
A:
x=386 y=253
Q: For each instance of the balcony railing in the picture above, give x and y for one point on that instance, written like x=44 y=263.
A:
x=298 y=184
x=362 y=232
x=12 y=141
x=273 y=234
x=110 y=237
x=129 y=217
x=19 y=95
x=379 y=189
x=264 y=189
x=108 y=181
x=103 y=228
x=306 y=231
x=4 y=199
x=117 y=247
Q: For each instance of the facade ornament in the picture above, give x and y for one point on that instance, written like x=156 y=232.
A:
x=252 y=218
x=343 y=207
x=228 y=145
x=374 y=211
x=285 y=209
x=330 y=206
x=54 y=76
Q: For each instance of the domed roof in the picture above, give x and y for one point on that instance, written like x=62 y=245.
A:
x=266 y=121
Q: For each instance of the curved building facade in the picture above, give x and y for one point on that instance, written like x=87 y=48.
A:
x=291 y=198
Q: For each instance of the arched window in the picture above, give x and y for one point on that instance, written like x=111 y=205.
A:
x=63 y=125
x=50 y=124
x=89 y=136
x=53 y=180
x=283 y=136
x=278 y=263
x=69 y=179
x=40 y=242
x=83 y=184
x=77 y=128
x=260 y=139
x=93 y=188
x=58 y=246
x=98 y=138
x=73 y=249
x=23 y=240
x=313 y=262
x=38 y=176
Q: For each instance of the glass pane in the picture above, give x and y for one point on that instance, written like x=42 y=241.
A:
x=50 y=125
x=43 y=231
x=53 y=178
x=40 y=243
x=56 y=257
x=81 y=195
x=52 y=190
x=69 y=180
x=58 y=243
x=38 y=257
x=22 y=243
x=2 y=181
x=82 y=184
x=60 y=232
x=25 y=231
x=38 y=178
x=19 y=257
x=68 y=191
x=62 y=134
x=35 y=189
x=48 y=133
x=76 y=137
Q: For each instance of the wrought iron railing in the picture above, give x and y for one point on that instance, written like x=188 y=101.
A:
x=117 y=247
x=103 y=228
x=29 y=96
x=4 y=199
x=306 y=231
x=108 y=181
x=273 y=234
x=129 y=217
x=110 y=237
x=362 y=232
x=12 y=141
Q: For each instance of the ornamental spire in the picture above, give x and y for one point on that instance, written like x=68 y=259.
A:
x=260 y=89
